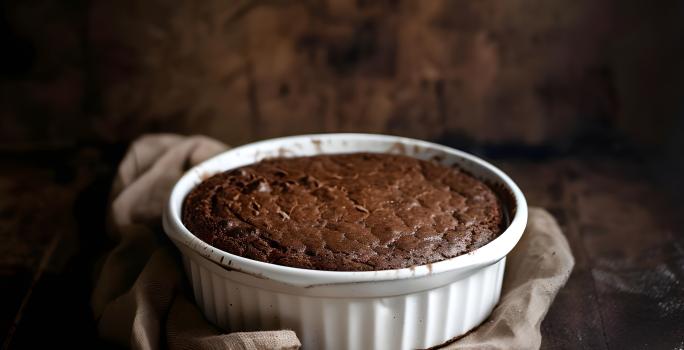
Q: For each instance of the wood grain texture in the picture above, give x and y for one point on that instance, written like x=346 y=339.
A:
x=626 y=289
x=528 y=71
x=254 y=69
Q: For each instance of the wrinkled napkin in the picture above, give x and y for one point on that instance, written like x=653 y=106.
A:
x=142 y=300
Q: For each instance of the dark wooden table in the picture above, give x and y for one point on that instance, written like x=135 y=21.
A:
x=623 y=224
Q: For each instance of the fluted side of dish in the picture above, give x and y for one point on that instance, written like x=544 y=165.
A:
x=407 y=308
x=408 y=321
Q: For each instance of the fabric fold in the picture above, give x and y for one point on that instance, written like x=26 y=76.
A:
x=142 y=300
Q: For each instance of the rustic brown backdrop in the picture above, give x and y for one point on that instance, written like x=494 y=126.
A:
x=528 y=71
x=582 y=102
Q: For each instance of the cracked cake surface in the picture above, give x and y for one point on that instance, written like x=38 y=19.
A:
x=347 y=212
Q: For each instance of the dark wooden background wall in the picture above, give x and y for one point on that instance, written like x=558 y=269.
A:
x=582 y=102
x=535 y=72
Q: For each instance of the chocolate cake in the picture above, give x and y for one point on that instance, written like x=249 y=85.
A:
x=348 y=212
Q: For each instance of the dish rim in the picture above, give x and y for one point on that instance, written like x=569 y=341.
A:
x=488 y=254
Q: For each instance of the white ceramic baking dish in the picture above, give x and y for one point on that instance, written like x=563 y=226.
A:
x=407 y=308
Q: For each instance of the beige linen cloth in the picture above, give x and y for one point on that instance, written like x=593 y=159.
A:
x=142 y=301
